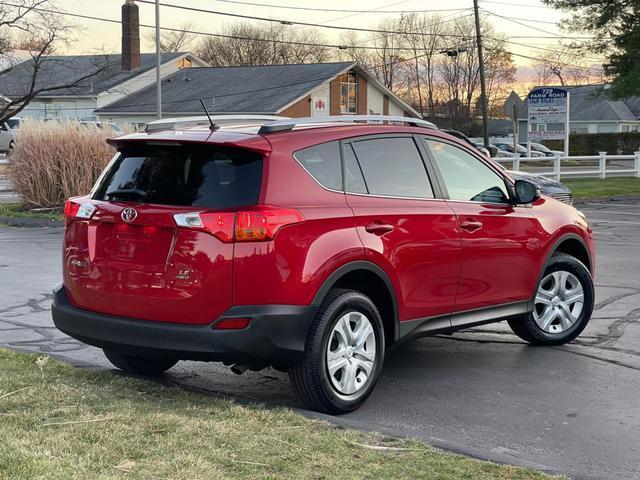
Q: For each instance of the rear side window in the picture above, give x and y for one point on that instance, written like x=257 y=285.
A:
x=323 y=163
x=393 y=167
x=198 y=176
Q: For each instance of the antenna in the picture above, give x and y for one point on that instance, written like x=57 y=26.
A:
x=212 y=126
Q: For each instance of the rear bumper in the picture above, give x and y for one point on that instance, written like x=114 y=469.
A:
x=276 y=335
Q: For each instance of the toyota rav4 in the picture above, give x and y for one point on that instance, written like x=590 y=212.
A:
x=312 y=246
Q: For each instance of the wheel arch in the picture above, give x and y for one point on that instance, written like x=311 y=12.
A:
x=371 y=280
x=573 y=245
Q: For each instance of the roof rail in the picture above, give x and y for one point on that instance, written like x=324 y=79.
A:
x=218 y=120
x=291 y=123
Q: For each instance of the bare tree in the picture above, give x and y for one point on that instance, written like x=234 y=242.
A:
x=40 y=32
x=459 y=69
x=172 y=41
x=248 y=44
x=386 y=60
x=564 y=64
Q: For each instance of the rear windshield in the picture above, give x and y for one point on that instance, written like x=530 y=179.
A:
x=198 y=176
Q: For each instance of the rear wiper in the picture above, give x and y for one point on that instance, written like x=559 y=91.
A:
x=127 y=193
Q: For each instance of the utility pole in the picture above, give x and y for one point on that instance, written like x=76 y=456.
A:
x=158 y=63
x=483 y=86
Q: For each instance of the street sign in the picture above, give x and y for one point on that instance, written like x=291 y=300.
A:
x=548 y=114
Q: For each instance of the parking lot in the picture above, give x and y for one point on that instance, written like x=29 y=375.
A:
x=571 y=409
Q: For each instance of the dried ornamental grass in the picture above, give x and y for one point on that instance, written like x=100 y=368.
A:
x=53 y=161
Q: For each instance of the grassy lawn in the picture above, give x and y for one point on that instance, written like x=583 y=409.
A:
x=590 y=188
x=61 y=422
x=15 y=210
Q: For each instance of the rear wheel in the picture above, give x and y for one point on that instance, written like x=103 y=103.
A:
x=343 y=356
x=563 y=304
x=139 y=365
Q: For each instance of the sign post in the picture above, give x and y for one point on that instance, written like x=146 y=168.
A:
x=549 y=115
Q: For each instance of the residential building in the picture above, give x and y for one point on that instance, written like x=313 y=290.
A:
x=108 y=77
x=300 y=90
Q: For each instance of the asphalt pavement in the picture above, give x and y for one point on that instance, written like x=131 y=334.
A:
x=573 y=409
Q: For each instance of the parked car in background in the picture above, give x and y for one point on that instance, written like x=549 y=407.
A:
x=538 y=147
x=547 y=186
x=312 y=246
x=521 y=151
x=7 y=138
x=117 y=129
x=488 y=152
x=15 y=123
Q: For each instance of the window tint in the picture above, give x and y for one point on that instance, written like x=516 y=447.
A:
x=353 y=181
x=184 y=176
x=323 y=163
x=466 y=177
x=393 y=167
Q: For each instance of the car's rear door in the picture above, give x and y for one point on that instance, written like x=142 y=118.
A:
x=405 y=229
x=132 y=257
x=500 y=251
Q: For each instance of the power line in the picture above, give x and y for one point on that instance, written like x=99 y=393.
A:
x=516 y=21
x=291 y=22
x=337 y=10
x=233 y=37
x=515 y=4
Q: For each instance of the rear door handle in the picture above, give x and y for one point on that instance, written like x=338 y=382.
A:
x=470 y=226
x=379 y=228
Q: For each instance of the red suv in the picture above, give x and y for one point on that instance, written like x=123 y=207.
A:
x=313 y=246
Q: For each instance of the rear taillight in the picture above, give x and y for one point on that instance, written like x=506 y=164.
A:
x=249 y=226
x=78 y=208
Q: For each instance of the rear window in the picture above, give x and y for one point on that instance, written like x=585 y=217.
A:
x=198 y=176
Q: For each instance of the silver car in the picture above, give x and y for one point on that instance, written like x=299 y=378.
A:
x=7 y=138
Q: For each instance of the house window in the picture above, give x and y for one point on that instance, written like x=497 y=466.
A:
x=348 y=93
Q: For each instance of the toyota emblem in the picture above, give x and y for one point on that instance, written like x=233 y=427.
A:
x=129 y=214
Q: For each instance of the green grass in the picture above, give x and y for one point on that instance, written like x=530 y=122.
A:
x=15 y=210
x=591 y=188
x=61 y=422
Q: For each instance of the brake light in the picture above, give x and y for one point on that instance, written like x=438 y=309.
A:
x=249 y=226
x=262 y=225
x=220 y=225
x=77 y=208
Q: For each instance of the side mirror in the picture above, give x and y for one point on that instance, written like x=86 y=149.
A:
x=526 y=192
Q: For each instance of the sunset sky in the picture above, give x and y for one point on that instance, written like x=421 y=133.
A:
x=532 y=17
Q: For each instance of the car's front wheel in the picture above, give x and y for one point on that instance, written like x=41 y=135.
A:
x=562 y=305
x=344 y=354
x=139 y=365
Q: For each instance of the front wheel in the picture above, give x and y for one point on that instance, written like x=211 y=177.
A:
x=562 y=305
x=139 y=365
x=343 y=356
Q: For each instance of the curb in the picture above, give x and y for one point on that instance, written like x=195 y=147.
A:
x=26 y=222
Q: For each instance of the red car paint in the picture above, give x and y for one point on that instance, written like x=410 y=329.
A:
x=441 y=256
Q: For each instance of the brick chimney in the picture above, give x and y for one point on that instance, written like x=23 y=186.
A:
x=130 y=36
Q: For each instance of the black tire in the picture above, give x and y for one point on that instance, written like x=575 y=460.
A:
x=12 y=145
x=310 y=377
x=139 y=365
x=526 y=327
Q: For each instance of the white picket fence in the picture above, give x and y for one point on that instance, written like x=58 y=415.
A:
x=601 y=165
